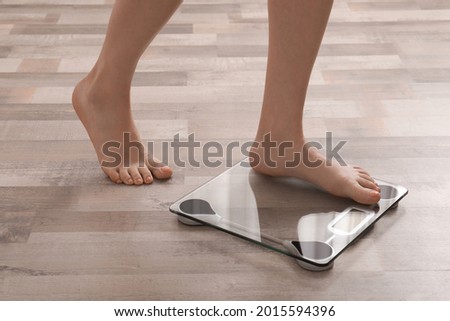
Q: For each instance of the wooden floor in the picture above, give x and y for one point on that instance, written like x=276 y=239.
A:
x=382 y=81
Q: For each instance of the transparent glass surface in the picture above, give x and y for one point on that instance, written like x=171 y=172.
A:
x=287 y=215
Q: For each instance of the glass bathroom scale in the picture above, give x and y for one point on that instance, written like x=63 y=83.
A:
x=284 y=214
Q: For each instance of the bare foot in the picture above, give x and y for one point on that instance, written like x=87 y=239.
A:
x=107 y=117
x=344 y=181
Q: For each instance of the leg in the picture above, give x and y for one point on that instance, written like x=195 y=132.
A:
x=102 y=99
x=296 y=29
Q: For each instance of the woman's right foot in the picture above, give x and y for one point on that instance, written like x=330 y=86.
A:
x=107 y=118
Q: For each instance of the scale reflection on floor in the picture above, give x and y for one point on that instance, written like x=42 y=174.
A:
x=287 y=215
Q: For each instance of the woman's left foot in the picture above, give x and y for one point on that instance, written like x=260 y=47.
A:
x=309 y=164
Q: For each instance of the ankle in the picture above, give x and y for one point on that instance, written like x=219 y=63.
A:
x=281 y=135
x=100 y=91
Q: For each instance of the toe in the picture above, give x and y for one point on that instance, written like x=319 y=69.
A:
x=163 y=172
x=365 y=176
x=113 y=174
x=146 y=175
x=137 y=178
x=365 y=195
x=370 y=179
x=364 y=182
x=362 y=171
x=159 y=170
x=125 y=176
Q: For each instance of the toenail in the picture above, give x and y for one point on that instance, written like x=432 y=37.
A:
x=164 y=169
x=119 y=182
x=130 y=181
